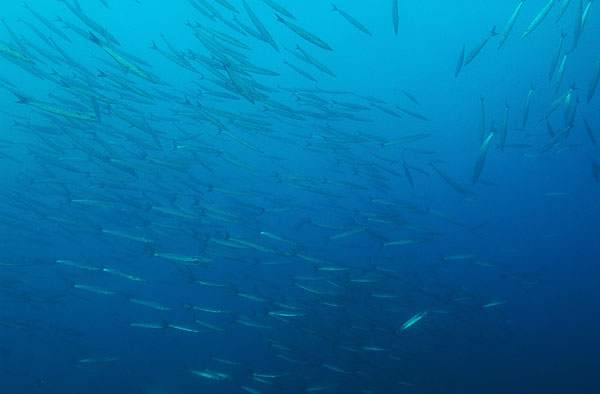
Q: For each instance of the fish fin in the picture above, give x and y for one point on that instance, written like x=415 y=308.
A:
x=22 y=99
x=94 y=38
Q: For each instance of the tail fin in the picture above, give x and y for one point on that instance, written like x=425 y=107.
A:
x=94 y=39
x=22 y=99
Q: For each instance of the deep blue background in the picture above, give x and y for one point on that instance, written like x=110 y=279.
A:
x=544 y=248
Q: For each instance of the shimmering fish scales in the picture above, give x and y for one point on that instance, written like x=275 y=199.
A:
x=413 y=320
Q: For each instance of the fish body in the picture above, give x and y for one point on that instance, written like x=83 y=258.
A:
x=129 y=66
x=475 y=51
x=352 y=20
x=510 y=24
x=539 y=18
x=304 y=34
x=481 y=158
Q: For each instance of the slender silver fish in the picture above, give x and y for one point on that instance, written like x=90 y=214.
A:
x=510 y=23
x=481 y=158
x=475 y=51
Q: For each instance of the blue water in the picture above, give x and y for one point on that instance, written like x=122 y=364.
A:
x=196 y=236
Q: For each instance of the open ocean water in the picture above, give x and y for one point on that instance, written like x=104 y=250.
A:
x=257 y=196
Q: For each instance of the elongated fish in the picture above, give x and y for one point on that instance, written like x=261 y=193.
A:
x=561 y=71
x=404 y=140
x=594 y=81
x=510 y=23
x=563 y=7
x=304 y=34
x=264 y=34
x=7 y=51
x=475 y=51
x=412 y=113
x=129 y=66
x=451 y=182
x=279 y=8
x=311 y=59
x=351 y=19
x=413 y=320
x=55 y=110
x=554 y=62
x=539 y=18
x=595 y=169
x=588 y=129
x=527 y=104
x=407 y=173
x=481 y=158
x=460 y=61
x=47 y=23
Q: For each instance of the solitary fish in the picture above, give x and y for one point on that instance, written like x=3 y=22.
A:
x=407 y=173
x=554 y=62
x=595 y=170
x=459 y=63
x=480 y=46
x=352 y=20
x=304 y=34
x=5 y=50
x=279 y=9
x=481 y=158
x=539 y=18
x=594 y=82
x=264 y=34
x=56 y=110
x=121 y=60
x=527 y=104
x=451 y=182
x=510 y=23
x=563 y=7
x=589 y=131
x=413 y=320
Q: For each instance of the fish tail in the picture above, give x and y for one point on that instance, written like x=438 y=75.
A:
x=94 y=39
x=22 y=99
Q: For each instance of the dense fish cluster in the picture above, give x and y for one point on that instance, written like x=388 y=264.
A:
x=235 y=221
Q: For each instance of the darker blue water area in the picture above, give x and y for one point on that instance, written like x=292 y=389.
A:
x=229 y=196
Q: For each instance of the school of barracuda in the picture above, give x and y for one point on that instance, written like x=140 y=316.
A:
x=184 y=207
